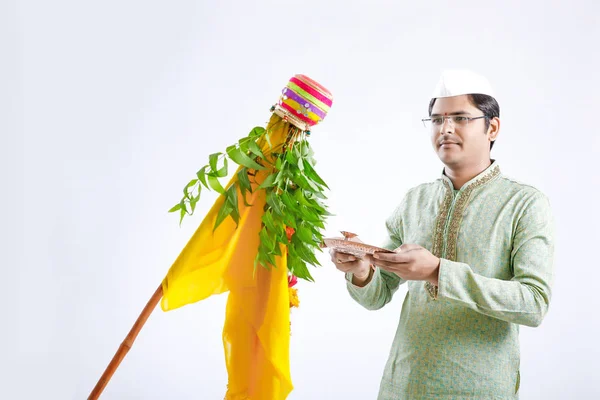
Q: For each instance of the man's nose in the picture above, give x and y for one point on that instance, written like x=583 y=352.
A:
x=447 y=126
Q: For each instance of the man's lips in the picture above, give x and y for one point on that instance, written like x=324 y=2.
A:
x=446 y=142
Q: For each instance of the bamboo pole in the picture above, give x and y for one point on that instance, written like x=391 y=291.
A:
x=126 y=345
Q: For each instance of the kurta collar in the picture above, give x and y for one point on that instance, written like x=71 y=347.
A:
x=483 y=178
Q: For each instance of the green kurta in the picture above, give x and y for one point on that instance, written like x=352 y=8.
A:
x=460 y=340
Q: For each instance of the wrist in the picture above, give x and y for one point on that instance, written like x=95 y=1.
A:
x=362 y=278
x=434 y=278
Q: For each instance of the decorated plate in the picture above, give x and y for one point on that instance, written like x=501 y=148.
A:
x=346 y=246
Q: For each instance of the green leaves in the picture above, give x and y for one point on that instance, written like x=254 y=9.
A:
x=175 y=207
x=253 y=147
x=247 y=155
x=256 y=132
x=201 y=174
x=229 y=208
x=268 y=182
x=214 y=183
x=244 y=184
x=293 y=192
x=312 y=174
x=213 y=158
x=241 y=158
x=294 y=215
x=188 y=186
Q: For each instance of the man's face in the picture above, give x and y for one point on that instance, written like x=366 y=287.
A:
x=458 y=144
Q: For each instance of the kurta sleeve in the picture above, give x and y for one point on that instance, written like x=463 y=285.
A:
x=525 y=298
x=383 y=284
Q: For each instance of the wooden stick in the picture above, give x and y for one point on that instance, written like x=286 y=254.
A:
x=126 y=345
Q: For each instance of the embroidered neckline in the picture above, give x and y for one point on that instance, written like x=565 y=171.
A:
x=493 y=169
x=462 y=200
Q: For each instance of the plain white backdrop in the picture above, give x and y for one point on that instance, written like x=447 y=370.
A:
x=114 y=105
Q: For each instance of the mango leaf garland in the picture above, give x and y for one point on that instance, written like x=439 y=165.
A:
x=294 y=215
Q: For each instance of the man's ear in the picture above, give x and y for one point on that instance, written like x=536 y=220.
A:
x=494 y=129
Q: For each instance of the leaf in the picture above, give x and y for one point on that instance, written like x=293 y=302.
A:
x=235 y=215
x=224 y=211
x=289 y=201
x=266 y=239
x=301 y=271
x=312 y=174
x=232 y=198
x=320 y=224
x=296 y=150
x=214 y=183
x=291 y=158
x=282 y=237
x=298 y=266
x=304 y=252
x=253 y=147
x=311 y=184
x=212 y=160
x=243 y=179
x=308 y=215
x=175 y=207
x=242 y=159
x=268 y=182
x=299 y=196
x=189 y=185
x=320 y=195
x=267 y=218
x=201 y=174
x=289 y=220
x=256 y=132
x=270 y=260
x=279 y=178
x=305 y=147
x=304 y=233
x=244 y=184
x=194 y=200
x=182 y=214
x=306 y=184
x=277 y=250
x=275 y=203
x=221 y=173
x=244 y=143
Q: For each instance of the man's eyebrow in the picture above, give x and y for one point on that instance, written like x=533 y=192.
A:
x=452 y=113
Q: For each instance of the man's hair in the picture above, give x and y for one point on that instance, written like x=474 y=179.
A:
x=484 y=103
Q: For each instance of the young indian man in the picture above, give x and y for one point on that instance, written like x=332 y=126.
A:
x=475 y=249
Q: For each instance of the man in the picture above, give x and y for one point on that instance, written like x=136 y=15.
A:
x=476 y=251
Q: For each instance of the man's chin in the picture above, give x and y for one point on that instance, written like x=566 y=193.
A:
x=449 y=160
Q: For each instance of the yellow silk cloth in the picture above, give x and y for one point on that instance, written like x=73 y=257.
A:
x=256 y=333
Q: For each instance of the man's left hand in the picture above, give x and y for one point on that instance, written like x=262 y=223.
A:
x=410 y=262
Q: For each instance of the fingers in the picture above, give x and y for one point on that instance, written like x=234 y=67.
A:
x=403 y=254
x=387 y=264
x=339 y=258
x=392 y=258
x=408 y=247
x=347 y=262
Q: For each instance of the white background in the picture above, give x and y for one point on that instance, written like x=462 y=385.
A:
x=114 y=105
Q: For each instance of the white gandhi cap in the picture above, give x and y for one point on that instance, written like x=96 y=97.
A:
x=459 y=81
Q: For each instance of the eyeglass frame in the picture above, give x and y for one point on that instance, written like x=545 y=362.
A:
x=448 y=117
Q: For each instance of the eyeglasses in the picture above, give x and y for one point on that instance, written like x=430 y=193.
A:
x=456 y=120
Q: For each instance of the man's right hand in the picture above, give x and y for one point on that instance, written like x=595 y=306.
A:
x=359 y=267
